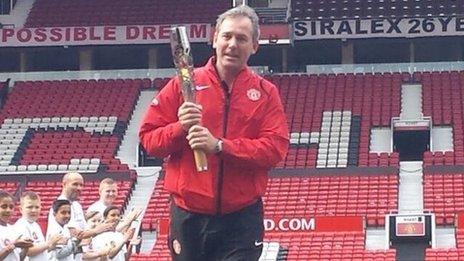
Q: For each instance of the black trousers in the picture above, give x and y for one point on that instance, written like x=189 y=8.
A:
x=233 y=237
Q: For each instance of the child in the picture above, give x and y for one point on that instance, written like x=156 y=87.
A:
x=27 y=227
x=90 y=253
x=114 y=241
x=12 y=246
x=67 y=247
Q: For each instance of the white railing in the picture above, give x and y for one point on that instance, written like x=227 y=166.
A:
x=100 y=74
x=385 y=67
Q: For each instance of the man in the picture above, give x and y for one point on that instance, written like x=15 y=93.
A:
x=28 y=227
x=108 y=191
x=218 y=214
x=72 y=184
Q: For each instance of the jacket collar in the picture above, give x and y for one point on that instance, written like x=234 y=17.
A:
x=211 y=68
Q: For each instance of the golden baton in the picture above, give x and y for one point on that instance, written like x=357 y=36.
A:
x=180 y=48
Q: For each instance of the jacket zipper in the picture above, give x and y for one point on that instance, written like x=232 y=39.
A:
x=220 y=176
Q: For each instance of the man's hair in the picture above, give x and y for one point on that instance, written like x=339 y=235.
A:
x=241 y=11
x=70 y=174
x=57 y=204
x=108 y=209
x=29 y=195
x=107 y=181
x=5 y=194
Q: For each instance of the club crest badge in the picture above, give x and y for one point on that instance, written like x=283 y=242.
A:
x=253 y=94
x=176 y=246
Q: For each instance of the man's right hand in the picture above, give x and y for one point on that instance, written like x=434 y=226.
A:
x=189 y=114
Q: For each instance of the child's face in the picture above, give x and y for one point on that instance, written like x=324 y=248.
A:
x=63 y=215
x=94 y=221
x=113 y=216
x=6 y=209
x=30 y=209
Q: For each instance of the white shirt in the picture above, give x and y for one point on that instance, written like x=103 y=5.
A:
x=34 y=232
x=110 y=238
x=53 y=229
x=7 y=236
x=77 y=215
x=77 y=218
x=98 y=206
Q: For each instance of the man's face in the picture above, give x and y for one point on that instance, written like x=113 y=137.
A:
x=108 y=193
x=63 y=215
x=30 y=209
x=6 y=209
x=234 y=43
x=72 y=187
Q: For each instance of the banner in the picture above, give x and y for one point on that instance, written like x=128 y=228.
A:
x=98 y=35
x=384 y=27
x=315 y=224
x=410 y=225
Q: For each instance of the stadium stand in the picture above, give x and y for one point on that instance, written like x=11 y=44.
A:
x=326 y=246
x=52 y=127
x=324 y=110
x=109 y=12
x=370 y=196
x=443 y=101
x=444 y=195
x=11 y=187
x=66 y=125
x=444 y=254
x=159 y=252
x=157 y=209
x=308 y=9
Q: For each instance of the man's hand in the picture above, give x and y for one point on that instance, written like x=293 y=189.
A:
x=189 y=114
x=199 y=137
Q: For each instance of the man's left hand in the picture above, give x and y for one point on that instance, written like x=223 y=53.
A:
x=199 y=137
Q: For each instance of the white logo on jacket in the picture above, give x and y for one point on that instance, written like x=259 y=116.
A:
x=201 y=87
x=253 y=94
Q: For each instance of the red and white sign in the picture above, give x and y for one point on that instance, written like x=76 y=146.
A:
x=407 y=27
x=410 y=226
x=316 y=224
x=98 y=35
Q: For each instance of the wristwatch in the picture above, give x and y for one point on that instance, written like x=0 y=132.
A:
x=218 y=147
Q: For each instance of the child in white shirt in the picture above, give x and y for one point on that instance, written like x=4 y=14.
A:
x=28 y=227
x=13 y=247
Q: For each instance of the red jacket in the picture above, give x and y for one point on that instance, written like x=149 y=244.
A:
x=254 y=133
